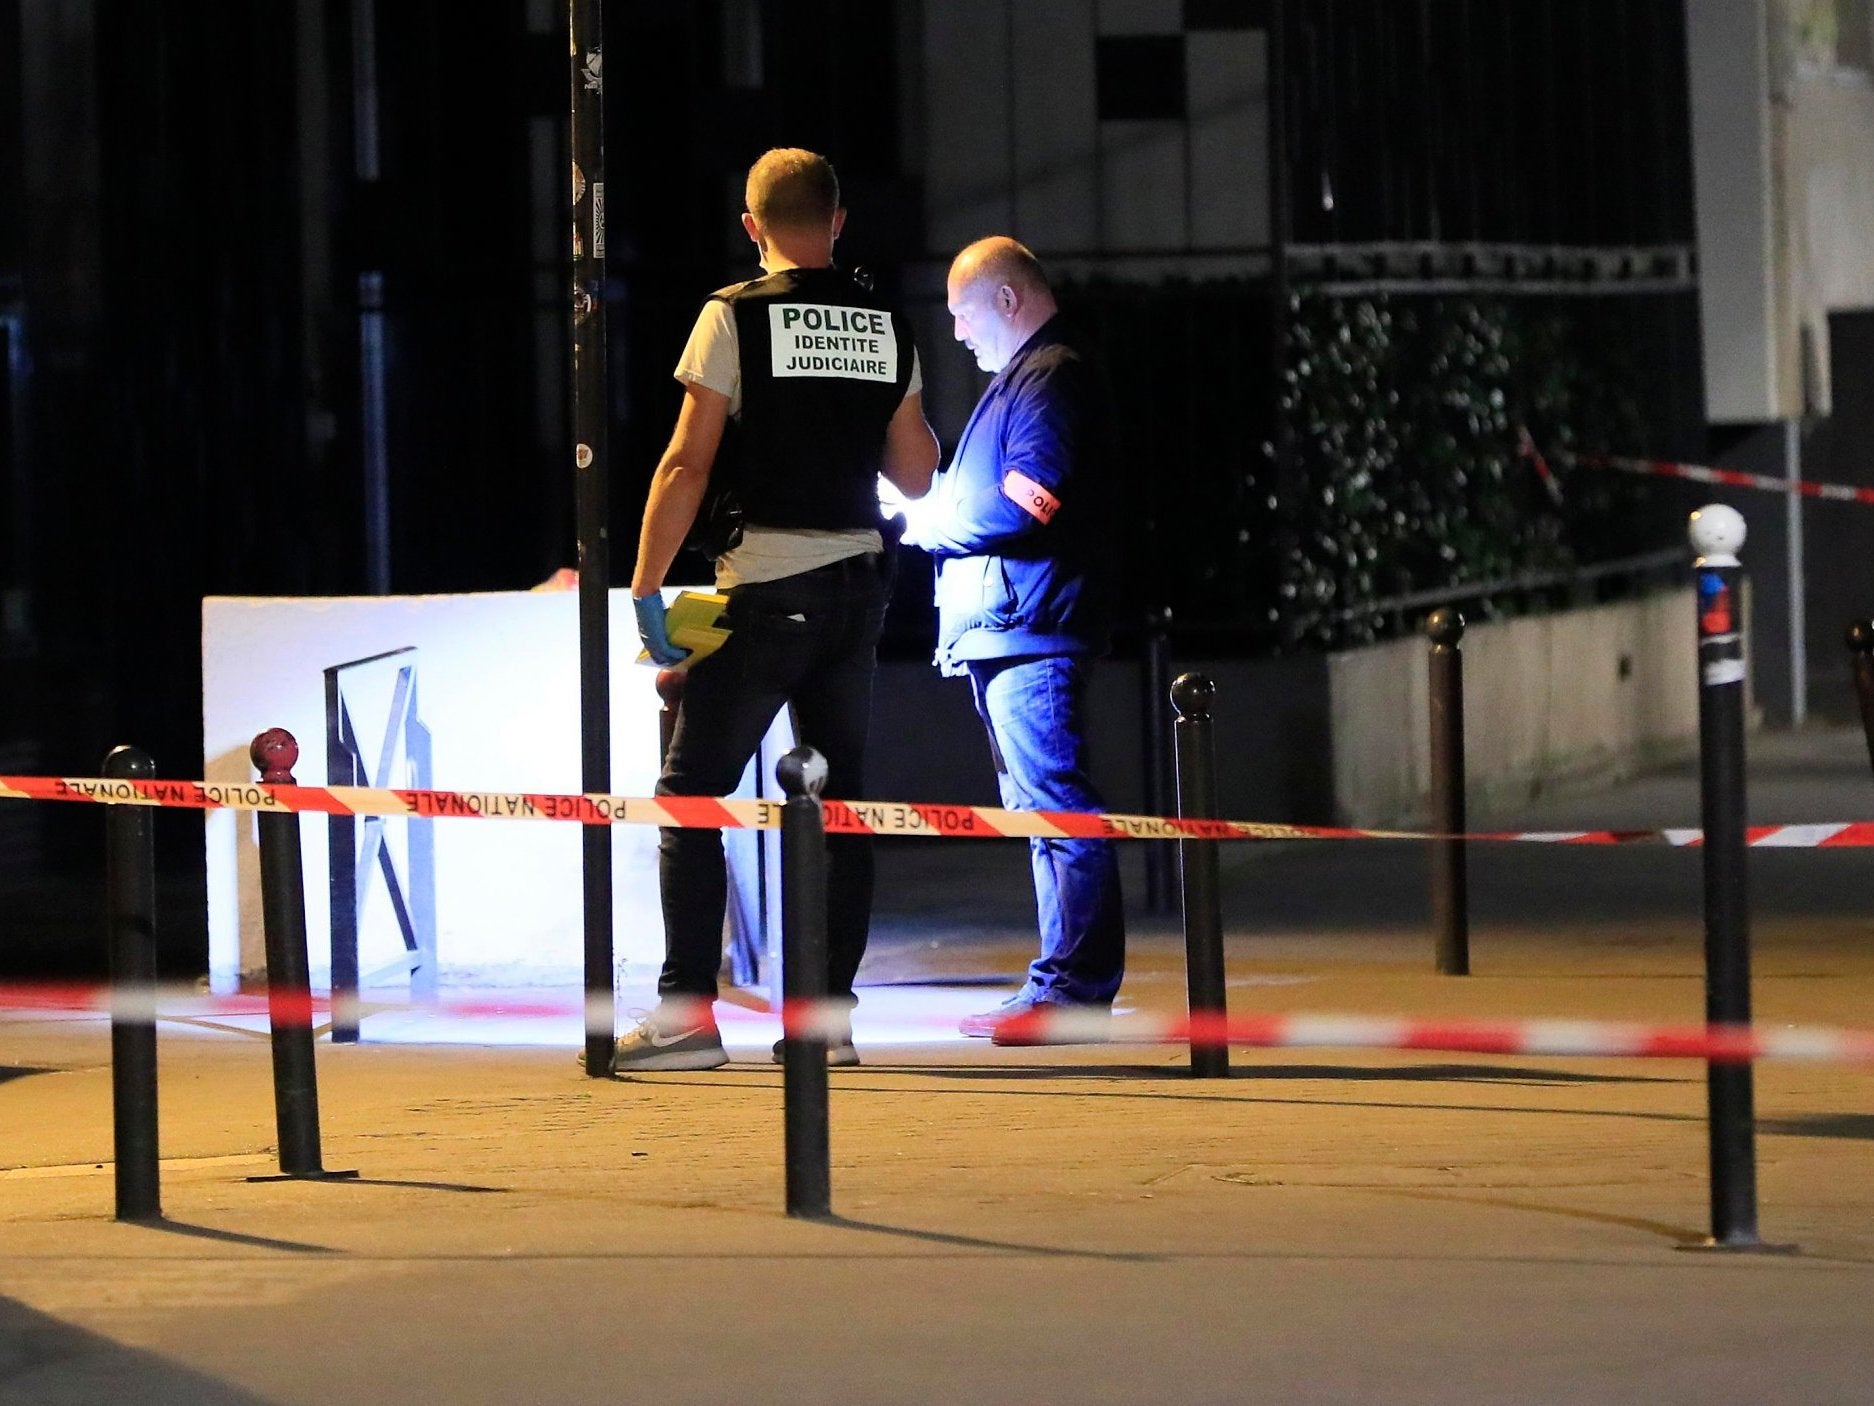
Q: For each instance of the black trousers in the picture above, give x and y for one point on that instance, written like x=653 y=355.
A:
x=810 y=640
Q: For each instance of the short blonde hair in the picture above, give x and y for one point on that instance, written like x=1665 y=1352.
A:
x=789 y=188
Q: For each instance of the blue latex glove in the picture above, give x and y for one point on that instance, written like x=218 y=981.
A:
x=650 y=612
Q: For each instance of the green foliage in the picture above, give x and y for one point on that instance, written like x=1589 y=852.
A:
x=1403 y=472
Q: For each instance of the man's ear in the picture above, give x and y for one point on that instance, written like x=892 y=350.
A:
x=839 y=220
x=1006 y=299
x=753 y=229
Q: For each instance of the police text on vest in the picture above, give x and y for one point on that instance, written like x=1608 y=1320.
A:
x=813 y=339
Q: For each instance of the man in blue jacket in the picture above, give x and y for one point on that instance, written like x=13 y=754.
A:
x=1021 y=525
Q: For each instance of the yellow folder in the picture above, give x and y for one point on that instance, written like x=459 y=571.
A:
x=690 y=621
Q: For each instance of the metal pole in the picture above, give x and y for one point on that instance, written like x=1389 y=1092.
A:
x=1798 y=601
x=1160 y=857
x=342 y=768
x=289 y=984
x=1451 y=924
x=1192 y=695
x=592 y=508
x=802 y=774
x=1717 y=532
x=373 y=349
x=1861 y=646
x=130 y=925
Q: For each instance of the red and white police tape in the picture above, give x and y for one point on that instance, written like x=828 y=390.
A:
x=841 y=817
x=1696 y=473
x=1723 y=1044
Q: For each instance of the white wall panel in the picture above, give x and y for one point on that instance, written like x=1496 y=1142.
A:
x=1732 y=167
x=498 y=686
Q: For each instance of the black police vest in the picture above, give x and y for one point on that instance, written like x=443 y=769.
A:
x=825 y=363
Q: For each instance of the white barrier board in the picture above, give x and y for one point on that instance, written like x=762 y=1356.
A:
x=497 y=686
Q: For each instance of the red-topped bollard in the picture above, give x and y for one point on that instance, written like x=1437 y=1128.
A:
x=274 y=754
x=289 y=984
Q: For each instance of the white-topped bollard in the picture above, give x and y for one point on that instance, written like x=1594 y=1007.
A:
x=1717 y=532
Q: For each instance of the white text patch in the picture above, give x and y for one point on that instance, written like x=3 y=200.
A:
x=811 y=339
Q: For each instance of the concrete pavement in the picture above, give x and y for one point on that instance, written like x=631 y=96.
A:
x=1071 y=1225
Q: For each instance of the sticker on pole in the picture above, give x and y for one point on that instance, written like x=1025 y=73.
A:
x=1723 y=671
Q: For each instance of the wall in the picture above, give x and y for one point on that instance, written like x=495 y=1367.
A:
x=1783 y=144
x=497 y=678
x=1549 y=699
x=1094 y=127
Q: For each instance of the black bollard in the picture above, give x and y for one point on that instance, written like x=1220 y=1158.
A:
x=1451 y=919
x=1861 y=646
x=1192 y=695
x=130 y=919
x=1160 y=856
x=802 y=774
x=1717 y=532
x=289 y=984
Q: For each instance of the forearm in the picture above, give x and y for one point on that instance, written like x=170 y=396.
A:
x=911 y=451
x=979 y=523
x=678 y=485
x=1016 y=482
x=676 y=496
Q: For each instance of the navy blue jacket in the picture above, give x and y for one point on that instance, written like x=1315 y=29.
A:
x=1021 y=522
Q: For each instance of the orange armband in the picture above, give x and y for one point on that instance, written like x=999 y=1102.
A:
x=1030 y=496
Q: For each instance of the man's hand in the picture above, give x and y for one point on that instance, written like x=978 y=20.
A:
x=918 y=513
x=650 y=612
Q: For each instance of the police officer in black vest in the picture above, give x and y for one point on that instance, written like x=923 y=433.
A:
x=800 y=388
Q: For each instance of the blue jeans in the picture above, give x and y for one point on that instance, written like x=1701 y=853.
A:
x=810 y=640
x=1035 y=711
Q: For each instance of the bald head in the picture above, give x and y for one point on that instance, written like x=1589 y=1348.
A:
x=1001 y=260
x=999 y=297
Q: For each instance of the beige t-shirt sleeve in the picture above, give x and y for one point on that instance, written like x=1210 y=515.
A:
x=713 y=356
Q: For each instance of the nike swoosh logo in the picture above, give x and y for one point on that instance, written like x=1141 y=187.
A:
x=664 y=1041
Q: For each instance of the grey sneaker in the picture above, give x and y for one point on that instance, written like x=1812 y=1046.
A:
x=652 y=1046
x=840 y=1053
